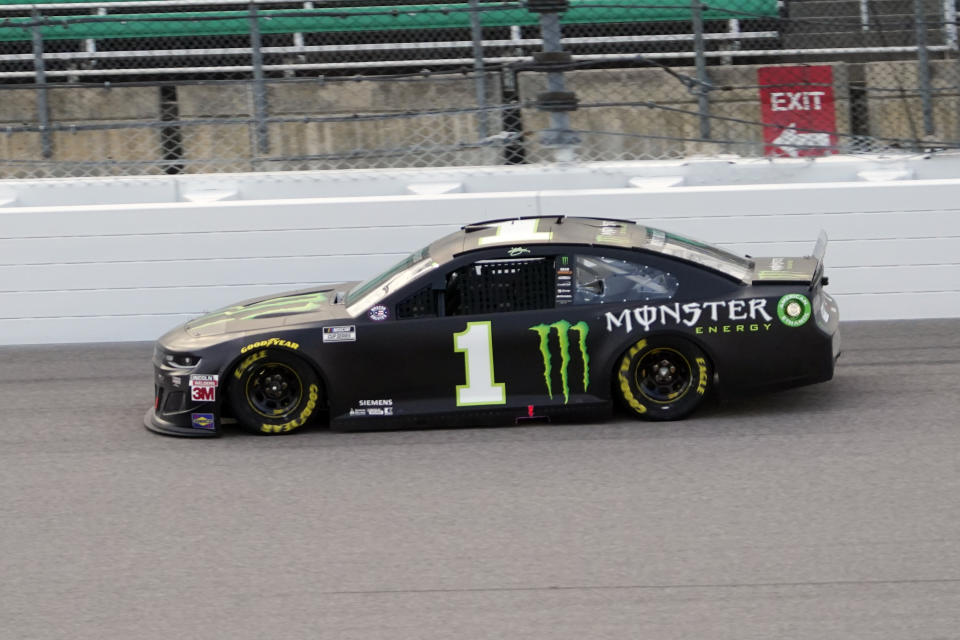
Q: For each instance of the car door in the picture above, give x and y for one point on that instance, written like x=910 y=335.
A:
x=483 y=336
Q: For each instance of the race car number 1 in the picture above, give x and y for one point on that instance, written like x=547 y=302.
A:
x=476 y=345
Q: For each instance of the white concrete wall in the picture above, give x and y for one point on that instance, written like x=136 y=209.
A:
x=129 y=271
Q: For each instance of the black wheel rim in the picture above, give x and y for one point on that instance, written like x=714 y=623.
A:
x=274 y=390
x=663 y=375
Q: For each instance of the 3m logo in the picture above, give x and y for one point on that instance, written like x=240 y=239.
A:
x=562 y=329
x=203 y=388
x=203 y=394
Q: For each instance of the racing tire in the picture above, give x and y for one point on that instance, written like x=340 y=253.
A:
x=273 y=392
x=662 y=378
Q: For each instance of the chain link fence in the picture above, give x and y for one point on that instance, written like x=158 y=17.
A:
x=186 y=86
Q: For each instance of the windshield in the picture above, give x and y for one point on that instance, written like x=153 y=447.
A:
x=366 y=294
x=701 y=253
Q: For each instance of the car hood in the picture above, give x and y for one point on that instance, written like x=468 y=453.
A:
x=270 y=312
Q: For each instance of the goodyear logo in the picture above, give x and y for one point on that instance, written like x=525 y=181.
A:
x=272 y=342
x=562 y=328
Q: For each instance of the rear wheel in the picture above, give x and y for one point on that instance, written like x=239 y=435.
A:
x=273 y=392
x=663 y=378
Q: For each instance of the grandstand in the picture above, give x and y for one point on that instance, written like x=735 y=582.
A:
x=188 y=39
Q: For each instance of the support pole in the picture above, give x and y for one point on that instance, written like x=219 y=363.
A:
x=558 y=136
x=259 y=88
x=480 y=77
x=923 y=66
x=40 y=70
x=703 y=98
x=951 y=38
x=950 y=24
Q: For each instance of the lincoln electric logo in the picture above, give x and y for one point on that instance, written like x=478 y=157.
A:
x=562 y=329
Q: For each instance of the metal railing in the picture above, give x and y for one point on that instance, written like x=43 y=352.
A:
x=126 y=88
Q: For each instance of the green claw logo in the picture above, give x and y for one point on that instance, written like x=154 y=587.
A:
x=563 y=328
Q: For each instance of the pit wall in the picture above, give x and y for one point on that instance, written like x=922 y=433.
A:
x=126 y=259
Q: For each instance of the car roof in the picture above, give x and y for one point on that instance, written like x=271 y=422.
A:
x=539 y=230
x=585 y=231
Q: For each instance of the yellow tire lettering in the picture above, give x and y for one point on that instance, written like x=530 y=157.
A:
x=300 y=420
x=702 y=384
x=625 y=382
x=238 y=372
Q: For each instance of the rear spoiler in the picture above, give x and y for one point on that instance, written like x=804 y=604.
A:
x=806 y=269
x=819 y=251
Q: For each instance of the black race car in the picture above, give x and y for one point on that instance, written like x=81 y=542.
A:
x=505 y=321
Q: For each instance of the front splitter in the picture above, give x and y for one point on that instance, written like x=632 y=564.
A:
x=158 y=425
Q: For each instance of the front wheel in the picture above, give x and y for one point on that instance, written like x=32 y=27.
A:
x=273 y=392
x=663 y=378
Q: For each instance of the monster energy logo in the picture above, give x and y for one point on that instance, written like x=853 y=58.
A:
x=563 y=328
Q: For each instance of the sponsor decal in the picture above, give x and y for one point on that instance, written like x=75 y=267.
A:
x=613 y=233
x=564 y=281
x=203 y=388
x=386 y=402
x=513 y=231
x=378 y=313
x=202 y=421
x=689 y=314
x=380 y=407
x=756 y=327
x=562 y=329
x=346 y=333
x=517 y=251
x=176 y=381
x=272 y=342
x=794 y=309
x=784 y=269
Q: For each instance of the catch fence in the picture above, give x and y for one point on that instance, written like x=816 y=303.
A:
x=187 y=86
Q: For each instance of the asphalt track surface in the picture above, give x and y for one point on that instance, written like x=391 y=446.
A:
x=826 y=512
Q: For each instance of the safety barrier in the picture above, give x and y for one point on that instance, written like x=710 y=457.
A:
x=126 y=259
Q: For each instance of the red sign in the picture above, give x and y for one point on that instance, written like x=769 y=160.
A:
x=798 y=112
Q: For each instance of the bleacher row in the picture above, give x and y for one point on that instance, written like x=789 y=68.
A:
x=124 y=38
